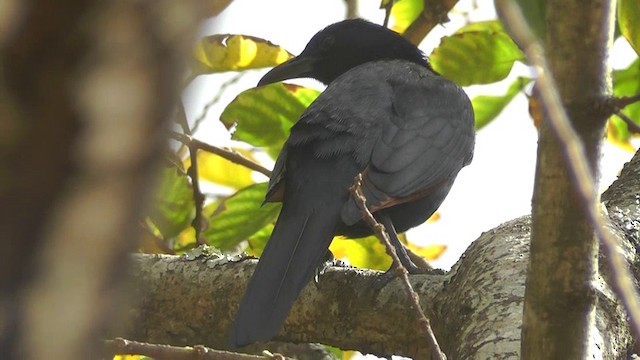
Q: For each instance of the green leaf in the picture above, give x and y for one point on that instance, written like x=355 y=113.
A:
x=263 y=116
x=240 y=216
x=337 y=352
x=404 y=12
x=218 y=53
x=174 y=207
x=485 y=26
x=626 y=82
x=487 y=108
x=258 y=241
x=481 y=53
x=629 y=22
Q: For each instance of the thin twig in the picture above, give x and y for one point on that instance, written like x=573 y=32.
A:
x=615 y=105
x=215 y=99
x=631 y=125
x=387 y=13
x=622 y=102
x=434 y=12
x=575 y=159
x=229 y=154
x=356 y=191
x=181 y=119
x=120 y=346
x=198 y=197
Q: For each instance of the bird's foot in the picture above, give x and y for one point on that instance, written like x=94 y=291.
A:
x=396 y=271
x=328 y=262
x=413 y=269
x=386 y=277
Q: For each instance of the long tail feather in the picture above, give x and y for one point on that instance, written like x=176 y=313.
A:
x=297 y=247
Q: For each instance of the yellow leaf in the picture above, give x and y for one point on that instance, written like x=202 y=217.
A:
x=218 y=53
x=614 y=138
x=431 y=252
x=218 y=170
x=348 y=355
x=366 y=252
x=126 y=357
x=435 y=217
x=186 y=238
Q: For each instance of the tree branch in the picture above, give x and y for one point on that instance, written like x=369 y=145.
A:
x=186 y=301
x=191 y=301
x=435 y=12
x=228 y=154
x=631 y=125
x=622 y=102
x=120 y=346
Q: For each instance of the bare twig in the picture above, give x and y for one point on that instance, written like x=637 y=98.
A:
x=631 y=125
x=434 y=13
x=228 y=154
x=356 y=191
x=622 y=102
x=181 y=119
x=120 y=346
x=387 y=13
x=215 y=99
x=198 y=197
x=575 y=159
x=614 y=106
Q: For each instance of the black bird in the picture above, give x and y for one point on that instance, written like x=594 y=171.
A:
x=386 y=114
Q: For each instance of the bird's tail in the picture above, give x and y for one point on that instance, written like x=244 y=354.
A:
x=296 y=248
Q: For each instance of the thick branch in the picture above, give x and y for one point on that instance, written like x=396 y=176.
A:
x=475 y=309
x=186 y=302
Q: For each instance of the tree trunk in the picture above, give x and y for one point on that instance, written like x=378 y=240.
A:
x=87 y=88
x=560 y=295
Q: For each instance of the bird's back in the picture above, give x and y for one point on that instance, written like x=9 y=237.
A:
x=409 y=130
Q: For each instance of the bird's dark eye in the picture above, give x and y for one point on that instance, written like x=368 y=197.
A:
x=327 y=43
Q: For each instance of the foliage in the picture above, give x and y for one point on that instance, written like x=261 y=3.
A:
x=494 y=54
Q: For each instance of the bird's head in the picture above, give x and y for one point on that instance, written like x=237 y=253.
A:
x=342 y=46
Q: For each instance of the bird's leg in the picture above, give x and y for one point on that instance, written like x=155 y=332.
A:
x=405 y=260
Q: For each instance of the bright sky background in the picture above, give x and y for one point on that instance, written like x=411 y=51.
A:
x=495 y=188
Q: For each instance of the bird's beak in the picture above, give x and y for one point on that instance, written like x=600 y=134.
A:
x=298 y=67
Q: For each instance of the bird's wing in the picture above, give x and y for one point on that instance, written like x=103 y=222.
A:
x=422 y=141
x=275 y=191
x=325 y=130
